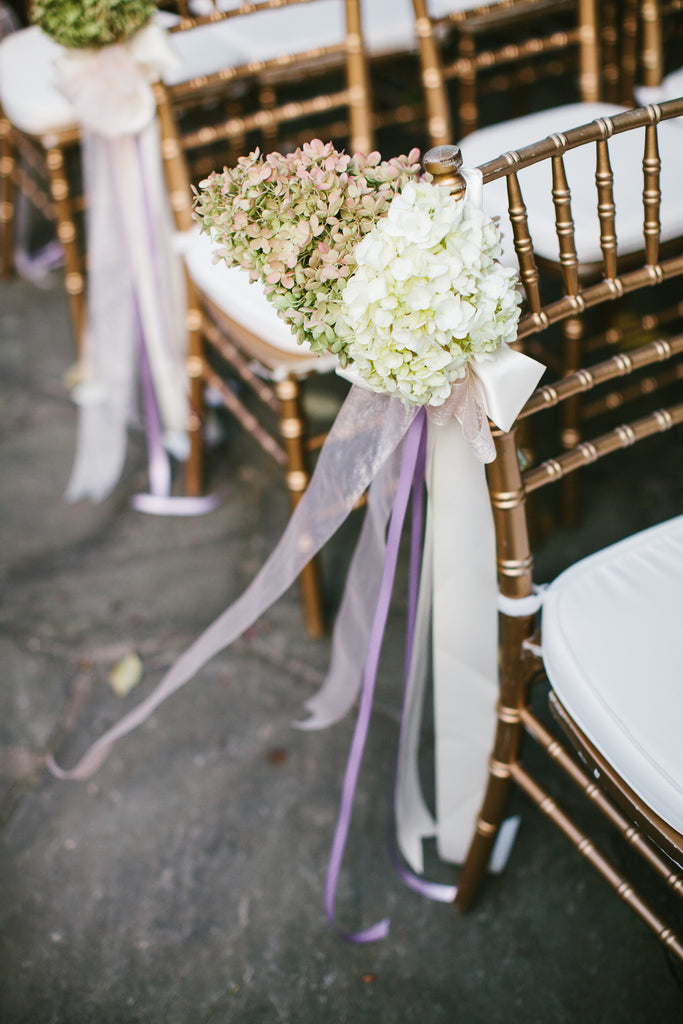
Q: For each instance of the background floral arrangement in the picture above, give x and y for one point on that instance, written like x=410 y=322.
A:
x=91 y=23
x=391 y=274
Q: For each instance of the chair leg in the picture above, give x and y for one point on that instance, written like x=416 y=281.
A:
x=468 y=111
x=506 y=750
x=66 y=232
x=292 y=432
x=6 y=198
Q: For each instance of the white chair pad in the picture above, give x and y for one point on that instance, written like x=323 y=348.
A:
x=670 y=89
x=612 y=640
x=244 y=301
x=28 y=83
x=626 y=154
x=29 y=89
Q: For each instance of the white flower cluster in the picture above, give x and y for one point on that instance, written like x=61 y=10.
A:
x=427 y=296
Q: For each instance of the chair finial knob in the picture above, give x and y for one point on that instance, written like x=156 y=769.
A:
x=444 y=163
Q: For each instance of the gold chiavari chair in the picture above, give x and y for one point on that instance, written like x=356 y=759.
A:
x=608 y=642
x=570 y=352
x=235 y=335
x=531 y=40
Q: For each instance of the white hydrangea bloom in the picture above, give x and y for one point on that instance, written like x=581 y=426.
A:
x=427 y=296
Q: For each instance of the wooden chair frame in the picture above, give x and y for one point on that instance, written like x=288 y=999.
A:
x=470 y=24
x=510 y=486
x=36 y=165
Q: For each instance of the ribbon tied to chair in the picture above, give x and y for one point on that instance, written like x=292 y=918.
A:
x=374 y=444
x=135 y=335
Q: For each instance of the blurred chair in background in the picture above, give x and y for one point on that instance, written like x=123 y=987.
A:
x=239 y=348
x=573 y=181
x=532 y=40
x=39 y=140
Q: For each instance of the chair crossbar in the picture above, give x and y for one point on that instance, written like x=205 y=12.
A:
x=234 y=357
x=597 y=294
x=265 y=119
x=594 y=856
x=616 y=367
x=646 y=386
x=596 y=795
x=588 y=452
x=490 y=14
x=245 y=417
x=510 y=53
x=203 y=84
x=562 y=142
x=187 y=23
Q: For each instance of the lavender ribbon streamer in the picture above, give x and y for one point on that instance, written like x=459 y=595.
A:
x=411 y=452
x=366 y=431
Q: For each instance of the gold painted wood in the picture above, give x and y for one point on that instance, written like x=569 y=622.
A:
x=644 y=362
x=541 y=50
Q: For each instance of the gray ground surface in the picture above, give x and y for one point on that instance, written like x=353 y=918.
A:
x=184 y=882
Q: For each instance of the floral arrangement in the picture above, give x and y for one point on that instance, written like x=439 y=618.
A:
x=362 y=259
x=91 y=23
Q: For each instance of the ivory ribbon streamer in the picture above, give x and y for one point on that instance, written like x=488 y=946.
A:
x=458 y=590
x=135 y=285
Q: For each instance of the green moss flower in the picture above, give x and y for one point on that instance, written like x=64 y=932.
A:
x=91 y=23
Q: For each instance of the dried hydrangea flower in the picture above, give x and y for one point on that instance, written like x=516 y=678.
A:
x=293 y=222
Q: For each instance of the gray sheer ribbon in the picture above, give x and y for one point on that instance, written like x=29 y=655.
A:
x=365 y=434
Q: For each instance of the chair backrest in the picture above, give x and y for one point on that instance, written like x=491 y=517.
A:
x=529 y=41
x=645 y=342
x=282 y=67
x=211 y=120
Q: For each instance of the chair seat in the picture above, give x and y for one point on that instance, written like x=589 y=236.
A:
x=626 y=152
x=29 y=90
x=670 y=89
x=613 y=652
x=244 y=302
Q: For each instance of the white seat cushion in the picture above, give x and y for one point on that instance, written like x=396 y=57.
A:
x=29 y=89
x=626 y=155
x=670 y=89
x=244 y=301
x=612 y=640
x=28 y=83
